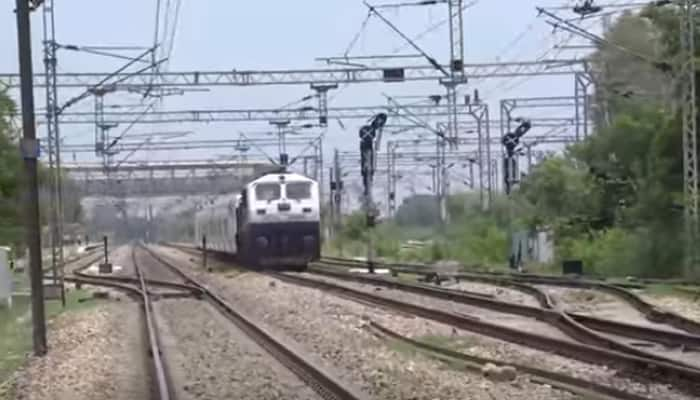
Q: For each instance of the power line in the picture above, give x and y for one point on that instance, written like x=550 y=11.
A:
x=415 y=38
x=576 y=30
x=354 y=40
x=408 y=40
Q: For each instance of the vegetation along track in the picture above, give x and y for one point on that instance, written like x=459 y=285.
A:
x=320 y=381
x=652 y=313
x=660 y=370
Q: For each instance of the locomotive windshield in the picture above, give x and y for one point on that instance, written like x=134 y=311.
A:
x=267 y=191
x=298 y=190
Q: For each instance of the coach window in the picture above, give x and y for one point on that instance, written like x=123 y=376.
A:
x=298 y=190
x=267 y=191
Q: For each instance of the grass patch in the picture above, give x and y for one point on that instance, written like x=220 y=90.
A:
x=16 y=328
x=690 y=293
x=15 y=335
x=73 y=303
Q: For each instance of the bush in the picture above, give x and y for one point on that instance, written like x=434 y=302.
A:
x=644 y=252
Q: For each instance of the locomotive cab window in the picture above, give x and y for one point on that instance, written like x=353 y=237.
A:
x=267 y=191
x=298 y=190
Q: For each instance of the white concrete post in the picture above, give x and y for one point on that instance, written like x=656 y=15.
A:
x=5 y=277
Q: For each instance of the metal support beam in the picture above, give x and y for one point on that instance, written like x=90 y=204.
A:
x=54 y=147
x=302 y=77
x=583 y=102
x=322 y=91
x=457 y=73
x=108 y=119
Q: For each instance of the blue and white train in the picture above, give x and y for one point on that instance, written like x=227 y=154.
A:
x=273 y=223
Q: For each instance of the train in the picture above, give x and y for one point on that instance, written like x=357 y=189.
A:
x=273 y=223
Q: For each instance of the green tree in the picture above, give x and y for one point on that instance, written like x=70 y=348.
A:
x=10 y=175
x=614 y=198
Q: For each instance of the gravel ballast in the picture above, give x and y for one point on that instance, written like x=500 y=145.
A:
x=210 y=358
x=335 y=328
x=93 y=354
x=498 y=292
x=499 y=318
x=680 y=305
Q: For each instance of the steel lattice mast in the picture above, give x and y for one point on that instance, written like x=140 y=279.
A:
x=54 y=144
x=690 y=164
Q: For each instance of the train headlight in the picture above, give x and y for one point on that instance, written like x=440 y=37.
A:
x=262 y=242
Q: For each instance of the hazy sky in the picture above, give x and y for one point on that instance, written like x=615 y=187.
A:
x=229 y=34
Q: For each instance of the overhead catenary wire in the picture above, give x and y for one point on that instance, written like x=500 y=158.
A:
x=131 y=125
x=121 y=69
x=408 y=40
x=173 y=33
x=355 y=39
x=415 y=38
x=569 y=27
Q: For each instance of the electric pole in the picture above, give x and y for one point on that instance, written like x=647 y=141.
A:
x=331 y=203
x=54 y=146
x=30 y=152
x=282 y=139
x=690 y=163
x=456 y=75
x=338 y=193
x=370 y=137
x=511 y=143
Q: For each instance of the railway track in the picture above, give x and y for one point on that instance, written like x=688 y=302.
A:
x=163 y=387
x=137 y=288
x=661 y=370
x=423 y=268
x=322 y=382
x=130 y=285
x=518 y=281
x=680 y=376
x=585 y=389
x=580 y=327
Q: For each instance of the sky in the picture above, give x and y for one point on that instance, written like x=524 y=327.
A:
x=262 y=35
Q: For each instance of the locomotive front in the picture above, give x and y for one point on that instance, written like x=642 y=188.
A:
x=279 y=222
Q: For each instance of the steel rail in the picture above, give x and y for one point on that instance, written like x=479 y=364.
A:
x=577 y=325
x=162 y=382
x=654 y=369
x=555 y=317
x=665 y=337
x=651 y=312
x=150 y=282
x=96 y=281
x=75 y=259
x=587 y=353
x=319 y=380
x=578 y=386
